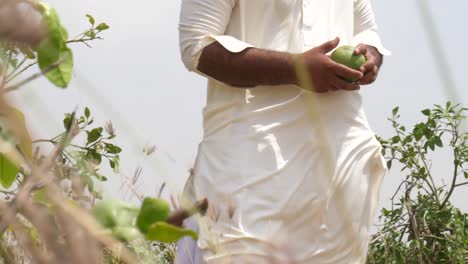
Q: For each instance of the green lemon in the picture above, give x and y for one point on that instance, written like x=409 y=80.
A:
x=345 y=55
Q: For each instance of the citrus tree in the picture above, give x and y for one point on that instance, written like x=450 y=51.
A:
x=422 y=225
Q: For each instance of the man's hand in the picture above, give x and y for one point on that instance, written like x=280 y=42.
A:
x=326 y=73
x=374 y=60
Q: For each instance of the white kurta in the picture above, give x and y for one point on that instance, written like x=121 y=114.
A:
x=263 y=159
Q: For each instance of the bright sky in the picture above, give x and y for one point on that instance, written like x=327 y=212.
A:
x=135 y=78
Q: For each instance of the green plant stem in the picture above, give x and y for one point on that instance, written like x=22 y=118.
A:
x=455 y=170
x=461 y=184
x=31 y=78
x=10 y=77
x=423 y=160
x=452 y=187
x=401 y=135
x=81 y=40
x=17 y=67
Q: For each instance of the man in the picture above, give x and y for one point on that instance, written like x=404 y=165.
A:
x=291 y=172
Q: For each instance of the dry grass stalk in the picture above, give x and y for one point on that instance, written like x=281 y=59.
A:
x=66 y=233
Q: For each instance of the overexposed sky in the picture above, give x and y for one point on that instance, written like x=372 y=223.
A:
x=136 y=79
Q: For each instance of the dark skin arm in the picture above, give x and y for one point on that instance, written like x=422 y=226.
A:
x=254 y=67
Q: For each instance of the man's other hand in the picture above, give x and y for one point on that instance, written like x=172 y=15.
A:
x=373 y=61
x=326 y=74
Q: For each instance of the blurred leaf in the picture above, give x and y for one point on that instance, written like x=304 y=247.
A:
x=438 y=141
x=93 y=156
x=126 y=233
x=54 y=49
x=8 y=172
x=21 y=132
x=102 y=27
x=152 y=210
x=389 y=164
x=67 y=121
x=164 y=232
x=395 y=111
x=88 y=182
x=113 y=149
x=426 y=112
x=112 y=213
x=60 y=76
x=94 y=135
x=115 y=163
x=91 y=19
x=87 y=112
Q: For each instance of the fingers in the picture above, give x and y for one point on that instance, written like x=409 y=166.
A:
x=346 y=72
x=340 y=84
x=369 y=65
x=370 y=76
x=328 y=46
x=360 y=49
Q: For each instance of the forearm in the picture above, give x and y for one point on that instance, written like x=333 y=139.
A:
x=251 y=67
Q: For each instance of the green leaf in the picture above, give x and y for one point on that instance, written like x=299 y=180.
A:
x=91 y=19
x=87 y=112
x=465 y=173
x=61 y=75
x=88 y=182
x=426 y=112
x=102 y=27
x=112 y=149
x=430 y=143
x=25 y=141
x=54 y=49
x=438 y=141
x=67 y=121
x=395 y=139
x=166 y=233
x=389 y=164
x=93 y=156
x=94 y=134
x=152 y=210
x=115 y=163
x=8 y=172
x=112 y=213
x=17 y=122
x=395 y=111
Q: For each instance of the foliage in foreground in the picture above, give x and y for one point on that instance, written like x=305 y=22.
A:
x=44 y=213
x=422 y=226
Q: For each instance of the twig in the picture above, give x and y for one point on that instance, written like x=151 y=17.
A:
x=31 y=78
x=461 y=184
x=10 y=78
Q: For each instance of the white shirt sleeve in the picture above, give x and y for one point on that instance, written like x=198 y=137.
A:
x=365 y=27
x=203 y=22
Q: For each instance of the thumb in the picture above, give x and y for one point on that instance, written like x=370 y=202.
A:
x=329 y=45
